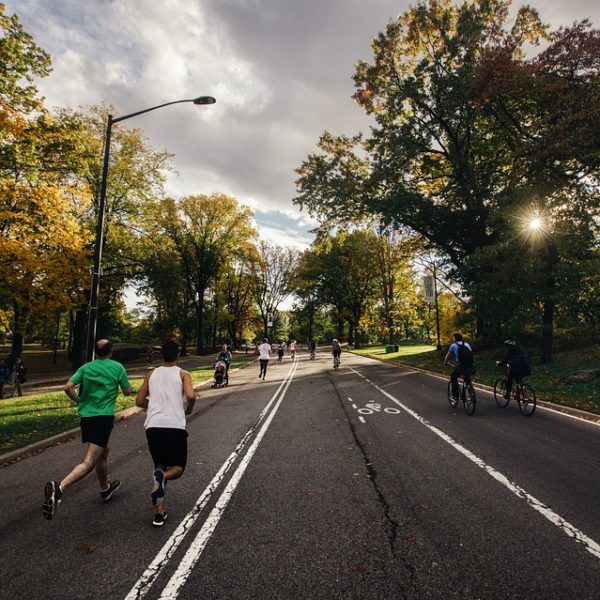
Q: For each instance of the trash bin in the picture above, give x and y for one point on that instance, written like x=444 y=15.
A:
x=389 y=349
x=396 y=348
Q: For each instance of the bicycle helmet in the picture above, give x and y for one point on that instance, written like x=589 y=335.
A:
x=510 y=342
x=334 y=341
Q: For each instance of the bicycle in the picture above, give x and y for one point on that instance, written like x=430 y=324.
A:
x=336 y=362
x=522 y=393
x=466 y=393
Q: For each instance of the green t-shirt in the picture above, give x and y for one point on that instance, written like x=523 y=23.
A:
x=100 y=381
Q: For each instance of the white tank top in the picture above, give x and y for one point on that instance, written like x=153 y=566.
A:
x=166 y=405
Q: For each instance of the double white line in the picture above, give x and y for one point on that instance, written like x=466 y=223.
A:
x=184 y=569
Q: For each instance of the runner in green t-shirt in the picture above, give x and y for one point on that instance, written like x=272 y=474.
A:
x=99 y=383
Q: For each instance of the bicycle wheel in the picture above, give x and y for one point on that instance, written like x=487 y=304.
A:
x=527 y=401
x=453 y=401
x=499 y=391
x=468 y=399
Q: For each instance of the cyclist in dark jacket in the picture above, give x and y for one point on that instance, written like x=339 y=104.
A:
x=517 y=363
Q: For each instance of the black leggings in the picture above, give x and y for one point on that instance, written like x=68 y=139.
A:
x=264 y=363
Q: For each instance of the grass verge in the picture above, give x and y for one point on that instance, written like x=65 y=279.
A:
x=548 y=380
x=30 y=419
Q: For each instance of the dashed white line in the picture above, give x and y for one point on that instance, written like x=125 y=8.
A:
x=362 y=419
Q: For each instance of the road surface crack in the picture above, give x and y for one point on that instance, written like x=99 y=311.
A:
x=390 y=526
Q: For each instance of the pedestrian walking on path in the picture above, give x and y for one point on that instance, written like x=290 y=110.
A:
x=164 y=393
x=99 y=382
x=264 y=354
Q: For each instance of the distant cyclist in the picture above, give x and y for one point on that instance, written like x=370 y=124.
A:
x=517 y=363
x=464 y=364
x=336 y=350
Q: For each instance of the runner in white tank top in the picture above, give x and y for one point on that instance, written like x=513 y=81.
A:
x=165 y=408
x=163 y=394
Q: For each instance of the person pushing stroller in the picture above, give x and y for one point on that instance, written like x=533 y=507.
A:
x=221 y=376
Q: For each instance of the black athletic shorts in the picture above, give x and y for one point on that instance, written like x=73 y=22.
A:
x=96 y=430
x=168 y=446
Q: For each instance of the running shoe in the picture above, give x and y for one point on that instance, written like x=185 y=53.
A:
x=159 y=520
x=113 y=486
x=158 y=485
x=52 y=497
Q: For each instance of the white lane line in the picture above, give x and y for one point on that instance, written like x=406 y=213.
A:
x=362 y=419
x=491 y=393
x=142 y=586
x=588 y=543
x=196 y=548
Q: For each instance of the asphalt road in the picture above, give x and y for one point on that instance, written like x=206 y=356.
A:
x=356 y=484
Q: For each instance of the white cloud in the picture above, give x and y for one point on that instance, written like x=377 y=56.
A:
x=280 y=70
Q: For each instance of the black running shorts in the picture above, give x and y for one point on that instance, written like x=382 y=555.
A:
x=96 y=430
x=168 y=446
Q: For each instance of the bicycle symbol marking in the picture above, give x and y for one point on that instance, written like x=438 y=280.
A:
x=374 y=407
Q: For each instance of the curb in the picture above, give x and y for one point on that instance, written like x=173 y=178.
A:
x=19 y=454
x=567 y=410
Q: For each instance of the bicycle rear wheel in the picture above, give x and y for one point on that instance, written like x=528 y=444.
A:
x=469 y=399
x=453 y=401
x=499 y=391
x=527 y=401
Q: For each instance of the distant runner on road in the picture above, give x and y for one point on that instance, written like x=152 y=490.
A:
x=99 y=383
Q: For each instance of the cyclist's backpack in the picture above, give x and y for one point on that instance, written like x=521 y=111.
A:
x=465 y=356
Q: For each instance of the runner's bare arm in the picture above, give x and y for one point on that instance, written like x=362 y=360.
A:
x=70 y=391
x=141 y=399
x=188 y=390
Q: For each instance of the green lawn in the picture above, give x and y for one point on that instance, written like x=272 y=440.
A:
x=548 y=380
x=29 y=419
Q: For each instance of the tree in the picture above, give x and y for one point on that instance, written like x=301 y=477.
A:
x=545 y=112
x=206 y=229
x=274 y=273
x=22 y=61
x=343 y=267
x=136 y=179
x=238 y=284
x=468 y=131
x=395 y=250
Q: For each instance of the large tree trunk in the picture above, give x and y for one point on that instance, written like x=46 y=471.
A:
x=78 y=338
x=20 y=314
x=549 y=303
x=350 y=333
x=547 y=331
x=200 y=322
x=340 y=326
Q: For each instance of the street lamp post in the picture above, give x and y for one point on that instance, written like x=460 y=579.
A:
x=97 y=267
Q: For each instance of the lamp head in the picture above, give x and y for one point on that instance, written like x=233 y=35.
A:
x=204 y=100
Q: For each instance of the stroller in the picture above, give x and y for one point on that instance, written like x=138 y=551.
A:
x=220 y=376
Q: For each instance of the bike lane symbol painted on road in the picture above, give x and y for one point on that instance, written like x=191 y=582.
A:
x=373 y=407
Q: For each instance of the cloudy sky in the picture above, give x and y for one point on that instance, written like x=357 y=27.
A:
x=280 y=71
